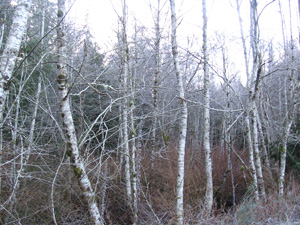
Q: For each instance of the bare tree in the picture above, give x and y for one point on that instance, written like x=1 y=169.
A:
x=156 y=77
x=247 y=112
x=253 y=86
x=291 y=87
x=183 y=120
x=126 y=86
x=69 y=128
x=206 y=136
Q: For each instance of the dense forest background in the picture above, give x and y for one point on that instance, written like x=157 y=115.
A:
x=149 y=131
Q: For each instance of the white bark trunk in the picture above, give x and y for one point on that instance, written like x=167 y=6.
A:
x=37 y=98
x=243 y=38
x=120 y=152
x=264 y=146
x=252 y=87
x=227 y=132
x=126 y=148
x=284 y=140
x=251 y=157
x=206 y=137
x=253 y=91
x=15 y=173
x=125 y=55
x=290 y=110
x=134 y=177
x=34 y=115
x=2 y=30
x=72 y=144
x=283 y=149
x=103 y=194
x=260 y=180
x=155 y=84
x=183 y=121
x=133 y=142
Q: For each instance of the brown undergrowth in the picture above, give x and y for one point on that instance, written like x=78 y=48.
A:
x=160 y=183
x=157 y=192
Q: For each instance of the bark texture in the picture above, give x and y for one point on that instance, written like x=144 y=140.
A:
x=206 y=138
x=183 y=121
x=125 y=60
x=253 y=88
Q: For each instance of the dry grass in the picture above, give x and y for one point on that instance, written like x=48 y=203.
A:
x=284 y=210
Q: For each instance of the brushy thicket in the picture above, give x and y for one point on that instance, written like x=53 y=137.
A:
x=157 y=195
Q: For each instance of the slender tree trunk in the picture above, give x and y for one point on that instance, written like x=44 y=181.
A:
x=243 y=39
x=72 y=144
x=253 y=92
x=227 y=133
x=2 y=29
x=183 y=121
x=248 y=111
x=15 y=173
x=251 y=156
x=33 y=121
x=133 y=137
x=299 y=10
x=251 y=109
x=103 y=193
x=125 y=59
x=283 y=150
x=206 y=138
x=262 y=138
x=120 y=152
x=290 y=110
x=134 y=174
x=155 y=83
x=37 y=97
x=260 y=179
x=290 y=103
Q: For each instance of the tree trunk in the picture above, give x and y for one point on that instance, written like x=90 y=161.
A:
x=226 y=136
x=125 y=59
x=283 y=149
x=253 y=86
x=155 y=83
x=133 y=137
x=262 y=138
x=290 y=103
x=290 y=110
x=183 y=121
x=251 y=156
x=206 y=138
x=260 y=180
x=2 y=29
x=72 y=144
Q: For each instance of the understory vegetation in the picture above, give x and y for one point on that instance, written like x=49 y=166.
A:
x=157 y=191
